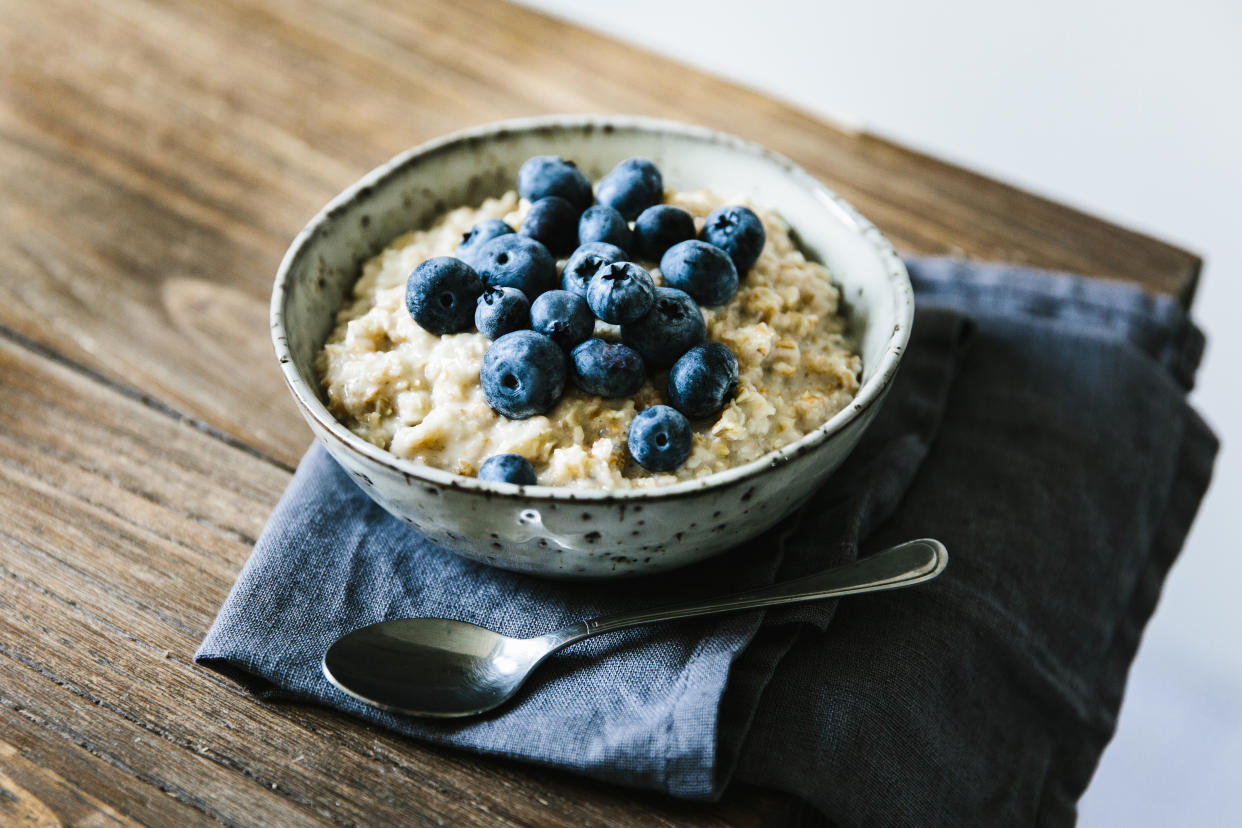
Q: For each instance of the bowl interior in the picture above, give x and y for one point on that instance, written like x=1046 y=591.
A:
x=414 y=188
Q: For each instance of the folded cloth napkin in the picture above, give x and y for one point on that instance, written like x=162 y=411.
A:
x=1038 y=426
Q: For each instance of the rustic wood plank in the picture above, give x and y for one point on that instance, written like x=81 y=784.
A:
x=121 y=529
x=158 y=158
x=80 y=780
x=32 y=795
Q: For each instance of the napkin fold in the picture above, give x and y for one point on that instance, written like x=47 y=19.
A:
x=1038 y=426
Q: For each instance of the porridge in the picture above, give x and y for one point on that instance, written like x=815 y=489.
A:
x=418 y=394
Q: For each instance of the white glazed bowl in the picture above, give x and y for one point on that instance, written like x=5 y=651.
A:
x=558 y=531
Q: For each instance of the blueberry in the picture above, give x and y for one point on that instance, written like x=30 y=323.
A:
x=553 y=222
x=738 y=232
x=673 y=326
x=523 y=374
x=585 y=262
x=660 y=227
x=501 y=310
x=700 y=269
x=620 y=292
x=703 y=380
x=660 y=438
x=604 y=224
x=479 y=235
x=517 y=261
x=633 y=185
x=508 y=468
x=551 y=175
x=563 y=317
x=608 y=369
x=440 y=294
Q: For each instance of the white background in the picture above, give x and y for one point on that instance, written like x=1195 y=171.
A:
x=1132 y=111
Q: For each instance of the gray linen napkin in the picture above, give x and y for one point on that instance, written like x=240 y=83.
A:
x=1063 y=472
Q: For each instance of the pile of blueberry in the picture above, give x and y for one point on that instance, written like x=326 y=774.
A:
x=504 y=283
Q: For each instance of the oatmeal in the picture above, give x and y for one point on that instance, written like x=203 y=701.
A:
x=418 y=395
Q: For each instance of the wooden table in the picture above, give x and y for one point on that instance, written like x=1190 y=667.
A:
x=155 y=161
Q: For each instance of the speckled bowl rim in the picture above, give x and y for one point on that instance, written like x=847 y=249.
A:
x=870 y=393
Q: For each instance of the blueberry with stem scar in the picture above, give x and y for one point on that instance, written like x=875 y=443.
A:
x=523 y=374
x=620 y=292
x=585 y=262
x=737 y=231
x=673 y=326
x=660 y=438
x=441 y=293
x=517 y=261
x=562 y=316
x=479 y=235
x=501 y=310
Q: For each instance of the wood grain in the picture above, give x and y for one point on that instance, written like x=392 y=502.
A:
x=122 y=530
x=32 y=795
x=156 y=158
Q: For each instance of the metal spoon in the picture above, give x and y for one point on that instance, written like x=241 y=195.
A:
x=439 y=667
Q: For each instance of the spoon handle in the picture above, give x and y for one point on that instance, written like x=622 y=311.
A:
x=898 y=566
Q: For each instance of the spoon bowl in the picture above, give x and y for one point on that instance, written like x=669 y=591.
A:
x=445 y=668
x=432 y=666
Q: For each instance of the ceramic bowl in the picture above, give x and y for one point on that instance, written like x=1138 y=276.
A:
x=557 y=531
